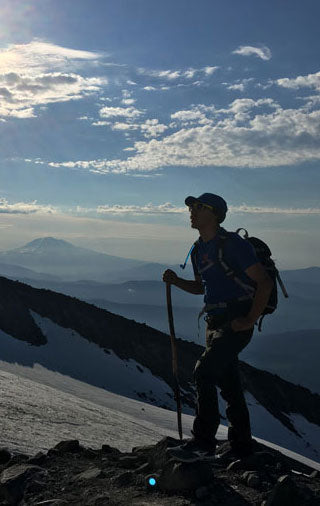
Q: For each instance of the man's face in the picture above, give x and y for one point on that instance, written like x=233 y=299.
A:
x=201 y=216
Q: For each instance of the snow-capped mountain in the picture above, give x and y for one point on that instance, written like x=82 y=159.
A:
x=61 y=258
x=44 y=330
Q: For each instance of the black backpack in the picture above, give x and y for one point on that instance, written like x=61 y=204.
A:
x=264 y=256
x=263 y=253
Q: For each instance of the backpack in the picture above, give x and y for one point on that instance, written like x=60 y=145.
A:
x=263 y=253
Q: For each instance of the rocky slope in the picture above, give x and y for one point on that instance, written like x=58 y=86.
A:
x=70 y=474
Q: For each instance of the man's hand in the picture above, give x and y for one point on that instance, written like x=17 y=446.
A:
x=242 y=323
x=169 y=276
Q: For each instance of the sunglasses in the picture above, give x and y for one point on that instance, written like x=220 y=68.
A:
x=199 y=205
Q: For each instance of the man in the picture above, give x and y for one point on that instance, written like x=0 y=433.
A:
x=232 y=309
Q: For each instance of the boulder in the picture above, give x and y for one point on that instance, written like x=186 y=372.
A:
x=14 y=480
x=185 y=476
x=70 y=446
x=5 y=456
x=285 y=493
x=90 y=474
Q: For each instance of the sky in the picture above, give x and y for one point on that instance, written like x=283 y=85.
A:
x=113 y=111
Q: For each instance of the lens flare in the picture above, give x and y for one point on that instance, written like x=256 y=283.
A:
x=152 y=482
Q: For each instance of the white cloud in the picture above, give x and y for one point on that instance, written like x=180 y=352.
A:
x=309 y=81
x=210 y=70
x=40 y=73
x=124 y=126
x=249 y=133
x=25 y=208
x=39 y=56
x=147 y=209
x=236 y=87
x=152 y=128
x=113 y=112
x=190 y=116
x=128 y=101
x=149 y=88
x=261 y=52
x=190 y=73
x=168 y=208
x=273 y=210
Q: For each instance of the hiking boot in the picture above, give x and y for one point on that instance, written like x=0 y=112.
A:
x=193 y=450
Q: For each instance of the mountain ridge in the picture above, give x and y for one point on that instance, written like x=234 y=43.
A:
x=148 y=347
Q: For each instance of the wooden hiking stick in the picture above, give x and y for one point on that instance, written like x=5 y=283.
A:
x=176 y=388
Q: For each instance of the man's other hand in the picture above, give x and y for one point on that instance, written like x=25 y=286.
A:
x=169 y=276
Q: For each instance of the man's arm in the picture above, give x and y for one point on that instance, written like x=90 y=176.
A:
x=264 y=287
x=195 y=287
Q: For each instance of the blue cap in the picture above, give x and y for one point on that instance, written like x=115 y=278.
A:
x=211 y=200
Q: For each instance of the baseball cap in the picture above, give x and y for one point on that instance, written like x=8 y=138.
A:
x=211 y=200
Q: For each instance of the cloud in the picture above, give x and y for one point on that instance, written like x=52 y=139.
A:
x=247 y=133
x=261 y=52
x=173 y=75
x=40 y=73
x=25 y=208
x=152 y=128
x=113 y=112
x=128 y=101
x=273 y=210
x=124 y=126
x=309 y=81
x=39 y=56
x=169 y=208
x=209 y=70
x=147 y=209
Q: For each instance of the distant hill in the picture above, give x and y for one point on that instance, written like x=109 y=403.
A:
x=308 y=275
x=292 y=355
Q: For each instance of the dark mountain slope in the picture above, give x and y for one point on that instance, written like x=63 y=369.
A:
x=149 y=347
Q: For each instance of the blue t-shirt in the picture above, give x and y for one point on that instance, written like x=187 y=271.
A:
x=238 y=254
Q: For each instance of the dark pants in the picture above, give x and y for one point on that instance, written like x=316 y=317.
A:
x=218 y=367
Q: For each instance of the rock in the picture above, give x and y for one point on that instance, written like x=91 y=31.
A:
x=109 y=449
x=38 y=459
x=90 y=474
x=129 y=461
x=185 y=476
x=123 y=479
x=156 y=454
x=90 y=454
x=202 y=493
x=253 y=462
x=14 y=480
x=51 y=502
x=5 y=456
x=236 y=465
x=253 y=480
x=143 y=468
x=285 y=493
x=70 y=446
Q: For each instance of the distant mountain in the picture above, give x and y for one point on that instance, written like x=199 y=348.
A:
x=18 y=272
x=87 y=343
x=292 y=355
x=308 y=275
x=61 y=258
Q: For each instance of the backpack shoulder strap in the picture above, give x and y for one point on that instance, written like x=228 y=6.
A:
x=229 y=271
